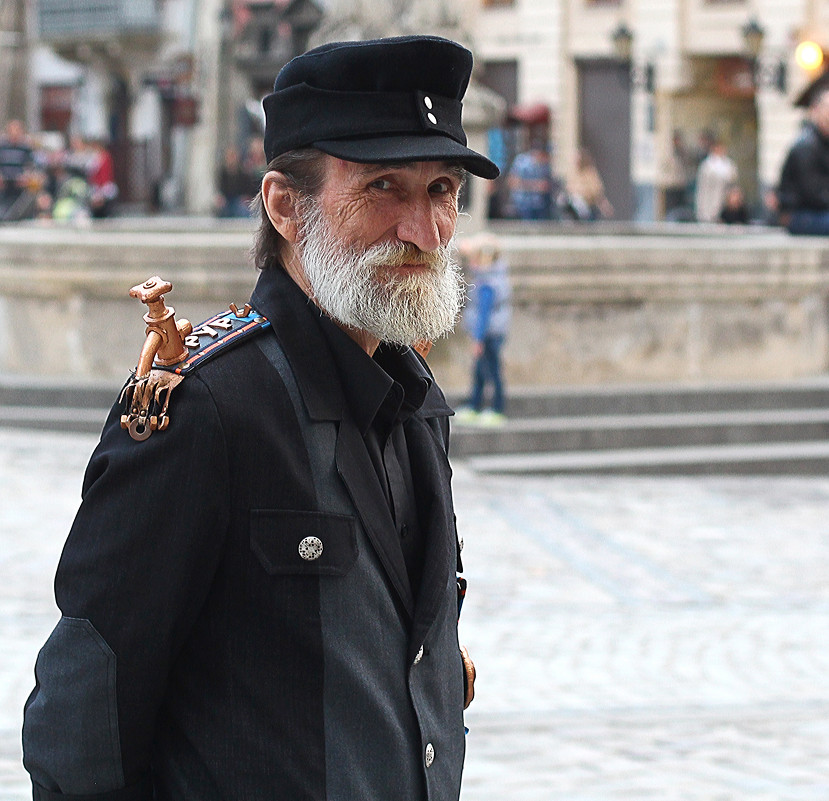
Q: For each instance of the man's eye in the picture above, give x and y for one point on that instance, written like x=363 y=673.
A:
x=381 y=183
x=441 y=187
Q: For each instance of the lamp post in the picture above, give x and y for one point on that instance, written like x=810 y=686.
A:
x=622 y=37
x=641 y=78
x=773 y=75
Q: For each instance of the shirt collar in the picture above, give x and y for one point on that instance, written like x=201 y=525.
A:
x=391 y=385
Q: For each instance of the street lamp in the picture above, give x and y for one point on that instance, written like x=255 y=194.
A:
x=772 y=75
x=809 y=56
x=642 y=78
x=753 y=35
x=622 y=38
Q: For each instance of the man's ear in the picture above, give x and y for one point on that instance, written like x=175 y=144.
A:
x=280 y=200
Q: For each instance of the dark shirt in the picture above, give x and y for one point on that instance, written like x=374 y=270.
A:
x=734 y=215
x=237 y=183
x=15 y=159
x=804 y=180
x=383 y=393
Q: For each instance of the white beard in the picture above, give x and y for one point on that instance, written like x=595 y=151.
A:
x=350 y=285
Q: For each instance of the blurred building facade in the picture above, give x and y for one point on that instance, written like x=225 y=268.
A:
x=621 y=77
x=171 y=83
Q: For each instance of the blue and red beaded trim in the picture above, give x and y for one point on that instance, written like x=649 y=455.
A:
x=216 y=335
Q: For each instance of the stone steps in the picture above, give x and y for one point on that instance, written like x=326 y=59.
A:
x=680 y=429
x=785 y=458
x=55 y=406
x=734 y=428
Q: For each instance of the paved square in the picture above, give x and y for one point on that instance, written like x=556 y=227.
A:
x=636 y=639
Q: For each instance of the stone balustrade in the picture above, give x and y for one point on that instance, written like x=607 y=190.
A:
x=591 y=305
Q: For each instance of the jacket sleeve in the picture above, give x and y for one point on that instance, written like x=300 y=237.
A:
x=135 y=571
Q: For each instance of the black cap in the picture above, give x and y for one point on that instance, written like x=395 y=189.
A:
x=382 y=100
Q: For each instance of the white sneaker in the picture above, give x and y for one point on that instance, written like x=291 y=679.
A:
x=466 y=415
x=491 y=418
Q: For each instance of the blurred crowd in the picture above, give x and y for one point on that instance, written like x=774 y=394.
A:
x=48 y=178
x=699 y=183
x=535 y=192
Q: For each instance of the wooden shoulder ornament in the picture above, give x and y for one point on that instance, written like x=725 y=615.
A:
x=171 y=351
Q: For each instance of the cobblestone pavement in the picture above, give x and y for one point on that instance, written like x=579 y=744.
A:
x=636 y=639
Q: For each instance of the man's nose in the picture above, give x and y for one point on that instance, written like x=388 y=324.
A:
x=419 y=225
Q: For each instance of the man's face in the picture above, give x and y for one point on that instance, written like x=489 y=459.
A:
x=375 y=248
x=370 y=204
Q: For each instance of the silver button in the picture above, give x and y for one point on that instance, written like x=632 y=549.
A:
x=430 y=755
x=427 y=101
x=419 y=655
x=310 y=548
x=460 y=542
x=432 y=118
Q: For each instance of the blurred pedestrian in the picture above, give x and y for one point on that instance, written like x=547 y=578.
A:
x=735 y=210
x=237 y=186
x=586 y=198
x=531 y=184
x=804 y=181
x=103 y=190
x=254 y=163
x=769 y=212
x=486 y=319
x=674 y=178
x=715 y=174
x=72 y=201
x=16 y=168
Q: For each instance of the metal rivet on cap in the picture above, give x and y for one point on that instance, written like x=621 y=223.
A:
x=419 y=655
x=427 y=101
x=310 y=548
x=432 y=118
x=430 y=755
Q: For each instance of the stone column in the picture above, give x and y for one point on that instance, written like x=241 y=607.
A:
x=202 y=157
x=482 y=110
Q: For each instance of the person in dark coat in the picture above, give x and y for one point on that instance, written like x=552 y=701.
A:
x=803 y=193
x=259 y=593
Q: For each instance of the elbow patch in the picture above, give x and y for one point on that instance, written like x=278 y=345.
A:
x=70 y=730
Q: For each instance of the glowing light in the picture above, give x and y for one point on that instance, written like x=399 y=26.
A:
x=809 y=55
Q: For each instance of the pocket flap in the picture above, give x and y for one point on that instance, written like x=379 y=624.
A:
x=289 y=542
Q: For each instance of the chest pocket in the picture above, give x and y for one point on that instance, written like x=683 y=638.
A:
x=290 y=542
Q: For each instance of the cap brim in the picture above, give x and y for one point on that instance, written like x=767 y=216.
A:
x=408 y=147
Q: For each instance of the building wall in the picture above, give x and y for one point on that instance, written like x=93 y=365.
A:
x=548 y=37
x=523 y=32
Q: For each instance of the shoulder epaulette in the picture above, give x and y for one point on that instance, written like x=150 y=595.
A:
x=146 y=398
x=216 y=335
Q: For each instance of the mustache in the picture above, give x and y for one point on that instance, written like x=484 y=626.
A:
x=400 y=254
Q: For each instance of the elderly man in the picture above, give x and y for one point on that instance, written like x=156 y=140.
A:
x=260 y=600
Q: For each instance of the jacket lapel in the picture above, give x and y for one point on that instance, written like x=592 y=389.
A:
x=433 y=474
x=357 y=472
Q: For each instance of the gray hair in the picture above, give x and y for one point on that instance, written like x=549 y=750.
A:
x=305 y=173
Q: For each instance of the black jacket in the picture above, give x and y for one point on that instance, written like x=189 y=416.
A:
x=199 y=656
x=804 y=180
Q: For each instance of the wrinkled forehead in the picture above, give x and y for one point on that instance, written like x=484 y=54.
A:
x=337 y=169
